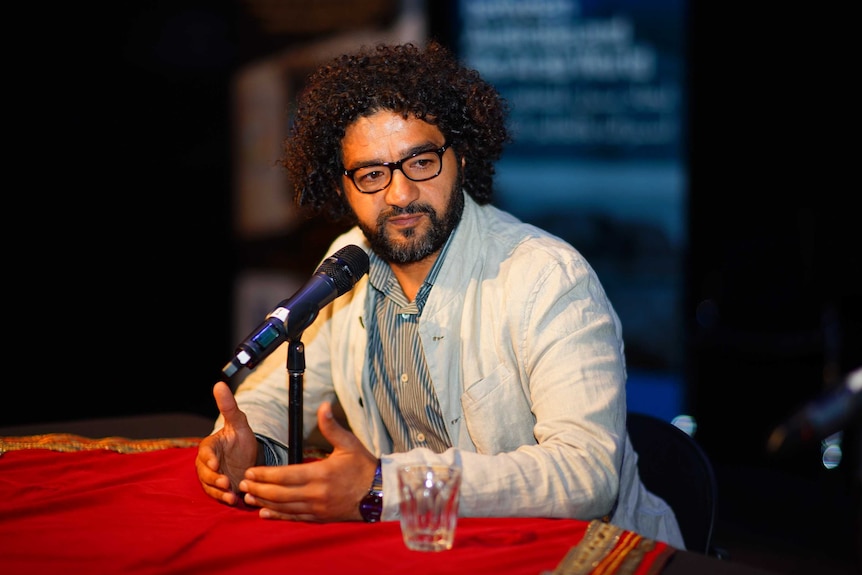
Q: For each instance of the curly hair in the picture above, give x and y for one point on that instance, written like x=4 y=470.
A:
x=428 y=84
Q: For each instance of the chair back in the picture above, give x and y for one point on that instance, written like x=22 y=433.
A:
x=673 y=466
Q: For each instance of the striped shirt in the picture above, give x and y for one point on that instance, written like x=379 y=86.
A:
x=399 y=375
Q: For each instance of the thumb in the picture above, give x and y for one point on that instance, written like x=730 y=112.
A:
x=332 y=431
x=227 y=405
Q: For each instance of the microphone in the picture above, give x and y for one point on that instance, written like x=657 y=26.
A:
x=335 y=277
x=822 y=417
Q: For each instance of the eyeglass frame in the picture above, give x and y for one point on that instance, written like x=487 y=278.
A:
x=397 y=166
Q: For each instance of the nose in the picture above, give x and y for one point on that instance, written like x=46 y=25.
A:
x=401 y=191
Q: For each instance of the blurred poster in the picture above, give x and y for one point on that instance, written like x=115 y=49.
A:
x=598 y=97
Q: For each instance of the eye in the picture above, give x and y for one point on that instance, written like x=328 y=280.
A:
x=369 y=175
x=423 y=162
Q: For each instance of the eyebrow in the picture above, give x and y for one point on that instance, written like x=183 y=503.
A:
x=428 y=146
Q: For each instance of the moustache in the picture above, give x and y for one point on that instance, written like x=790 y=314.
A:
x=411 y=209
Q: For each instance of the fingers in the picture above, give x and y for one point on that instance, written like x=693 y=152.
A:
x=227 y=497
x=297 y=491
x=214 y=484
x=282 y=498
x=211 y=477
x=290 y=505
x=207 y=460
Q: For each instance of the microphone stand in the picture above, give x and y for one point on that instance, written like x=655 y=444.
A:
x=295 y=370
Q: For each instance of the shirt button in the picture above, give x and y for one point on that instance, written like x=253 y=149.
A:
x=405 y=315
x=404 y=378
x=420 y=437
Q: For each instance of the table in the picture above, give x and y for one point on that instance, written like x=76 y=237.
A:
x=135 y=507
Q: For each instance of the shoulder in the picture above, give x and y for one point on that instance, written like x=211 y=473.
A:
x=527 y=250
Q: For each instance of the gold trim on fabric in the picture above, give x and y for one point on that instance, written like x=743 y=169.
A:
x=607 y=550
x=70 y=442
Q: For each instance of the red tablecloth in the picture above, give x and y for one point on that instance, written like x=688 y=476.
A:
x=97 y=510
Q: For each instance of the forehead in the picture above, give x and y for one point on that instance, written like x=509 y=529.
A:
x=386 y=135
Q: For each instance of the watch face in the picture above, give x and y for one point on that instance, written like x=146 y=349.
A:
x=371 y=507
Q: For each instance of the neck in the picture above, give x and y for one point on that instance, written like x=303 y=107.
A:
x=410 y=276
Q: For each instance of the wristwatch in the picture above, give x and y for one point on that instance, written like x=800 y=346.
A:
x=371 y=505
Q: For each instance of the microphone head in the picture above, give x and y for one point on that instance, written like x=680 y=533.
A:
x=345 y=267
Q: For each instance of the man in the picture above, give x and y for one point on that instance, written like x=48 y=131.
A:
x=474 y=340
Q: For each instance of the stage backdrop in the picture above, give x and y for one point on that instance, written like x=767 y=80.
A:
x=598 y=97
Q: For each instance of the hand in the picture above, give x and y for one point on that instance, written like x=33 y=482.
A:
x=224 y=456
x=318 y=491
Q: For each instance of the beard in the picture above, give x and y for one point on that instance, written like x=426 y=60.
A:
x=415 y=246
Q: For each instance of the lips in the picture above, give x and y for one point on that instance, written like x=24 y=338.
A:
x=405 y=220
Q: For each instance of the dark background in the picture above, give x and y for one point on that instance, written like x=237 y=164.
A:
x=121 y=257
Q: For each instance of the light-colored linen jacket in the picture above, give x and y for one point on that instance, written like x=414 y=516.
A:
x=525 y=353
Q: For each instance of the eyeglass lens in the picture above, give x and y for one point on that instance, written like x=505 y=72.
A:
x=420 y=167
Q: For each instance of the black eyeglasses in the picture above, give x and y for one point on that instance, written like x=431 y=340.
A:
x=417 y=167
